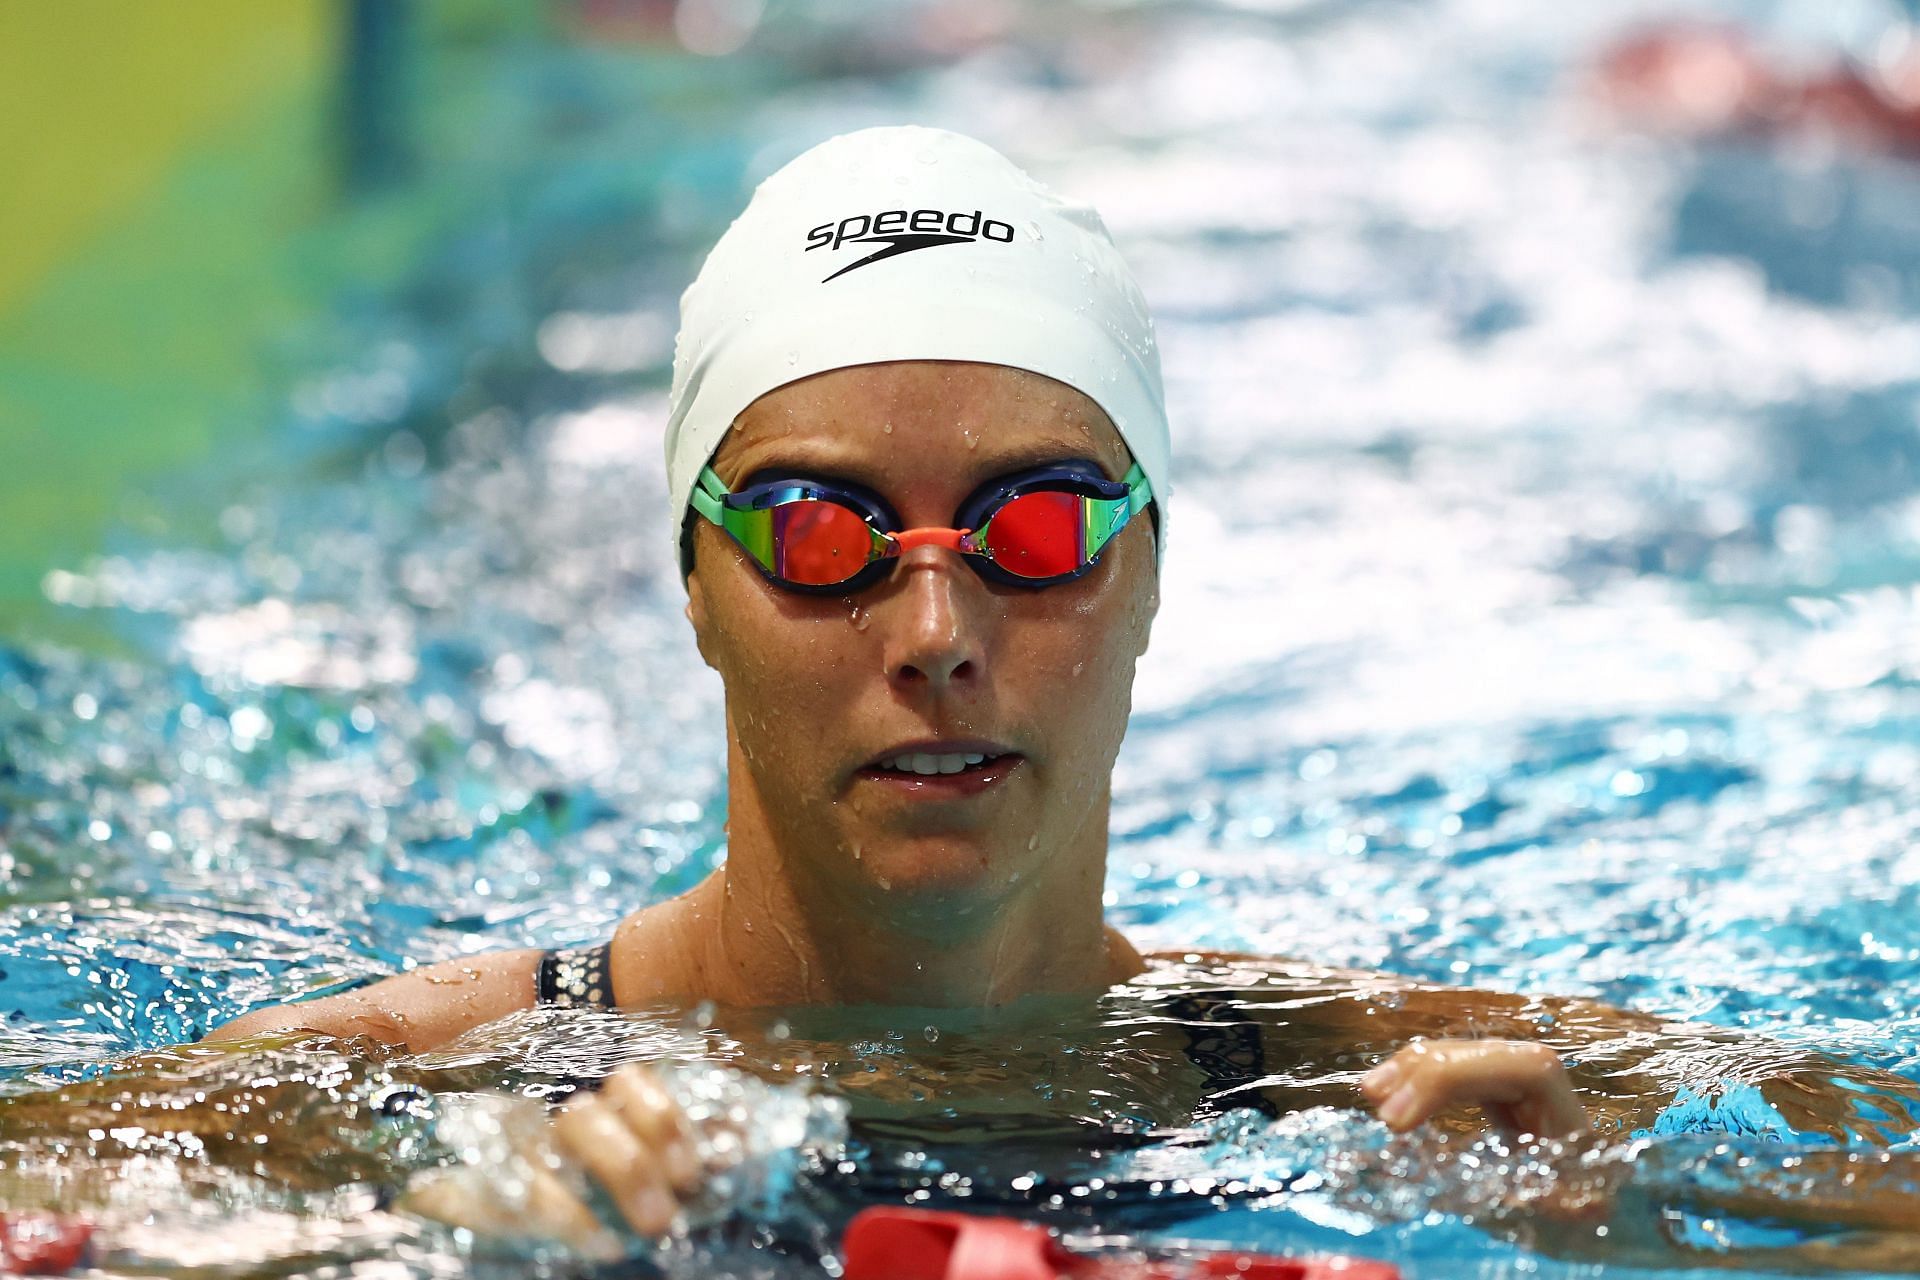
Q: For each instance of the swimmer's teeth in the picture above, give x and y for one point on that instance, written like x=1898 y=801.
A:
x=922 y=763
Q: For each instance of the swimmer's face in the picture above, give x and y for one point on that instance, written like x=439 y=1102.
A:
x=821 y=689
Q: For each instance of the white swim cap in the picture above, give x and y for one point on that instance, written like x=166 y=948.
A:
x=908 y=243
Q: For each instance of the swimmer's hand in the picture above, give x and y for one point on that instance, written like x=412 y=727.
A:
x=636 y=1143
x=630 y=1137
x=1521 y=1086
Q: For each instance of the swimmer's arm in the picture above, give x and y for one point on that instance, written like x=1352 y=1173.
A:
x=414 y=1011
x=1630 y=1064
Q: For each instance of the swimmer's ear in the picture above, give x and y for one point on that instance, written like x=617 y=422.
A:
x=697 y=615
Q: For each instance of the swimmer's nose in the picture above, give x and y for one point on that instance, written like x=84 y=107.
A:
x=934 y=621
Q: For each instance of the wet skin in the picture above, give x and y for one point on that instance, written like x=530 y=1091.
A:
x=848 y=883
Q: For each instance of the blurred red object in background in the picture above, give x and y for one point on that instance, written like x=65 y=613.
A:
x=1713 y=80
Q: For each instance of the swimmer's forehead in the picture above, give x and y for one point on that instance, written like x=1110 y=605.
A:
x=853 y=422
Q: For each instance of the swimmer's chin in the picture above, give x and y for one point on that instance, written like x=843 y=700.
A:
x=960 y=876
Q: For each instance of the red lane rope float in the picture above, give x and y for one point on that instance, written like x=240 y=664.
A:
x=925 y=1244
x=42 y=1244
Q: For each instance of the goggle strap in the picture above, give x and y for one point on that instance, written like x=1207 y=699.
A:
x=753 y=530
x=1139 y=492
x=707 y=494
x=1106 y=517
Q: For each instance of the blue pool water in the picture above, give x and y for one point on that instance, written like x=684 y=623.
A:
x=1540 y=611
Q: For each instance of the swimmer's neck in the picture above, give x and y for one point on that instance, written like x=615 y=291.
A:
x=760 y=931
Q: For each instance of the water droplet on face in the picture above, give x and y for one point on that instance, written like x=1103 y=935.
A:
x=887 y=427
x=856 y=853
x=1033 y=841
x=860 y=618
x=747 y=925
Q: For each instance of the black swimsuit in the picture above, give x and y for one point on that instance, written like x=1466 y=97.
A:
x=1221 y=1040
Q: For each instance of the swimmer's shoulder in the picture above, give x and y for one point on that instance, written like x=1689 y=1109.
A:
x=652 y=959
x=429 y=1006
x=1124 y=961
x=417 y=1010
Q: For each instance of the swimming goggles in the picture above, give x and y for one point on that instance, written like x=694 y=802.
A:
x=1034 y=528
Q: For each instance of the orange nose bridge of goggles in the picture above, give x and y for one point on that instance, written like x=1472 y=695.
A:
x=952 y=539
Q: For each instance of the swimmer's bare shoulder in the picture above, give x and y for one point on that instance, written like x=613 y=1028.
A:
x=429 y=1006
x=418 y=1010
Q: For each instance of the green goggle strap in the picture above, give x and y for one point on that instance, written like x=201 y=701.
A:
x=753 y=530
x=1107 y=517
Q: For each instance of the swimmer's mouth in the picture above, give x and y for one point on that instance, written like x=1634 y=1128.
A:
x=949 y=760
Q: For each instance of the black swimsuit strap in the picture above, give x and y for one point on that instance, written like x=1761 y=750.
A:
x=577 y=976
x=1225 y=1043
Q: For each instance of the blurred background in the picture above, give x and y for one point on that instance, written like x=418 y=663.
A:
x=231 y=223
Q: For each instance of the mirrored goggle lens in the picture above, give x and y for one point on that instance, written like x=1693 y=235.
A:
x=818 y=544
x=1039 y=535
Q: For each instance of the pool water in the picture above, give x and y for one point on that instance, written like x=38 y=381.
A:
x=1539 y=617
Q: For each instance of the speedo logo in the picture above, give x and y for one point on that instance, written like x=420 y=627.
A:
x=898 y=232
